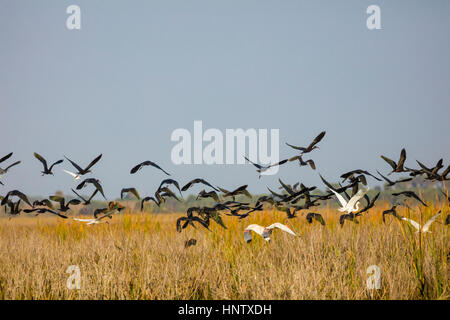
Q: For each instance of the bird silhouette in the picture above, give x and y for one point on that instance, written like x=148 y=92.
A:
x=39 y=211
x=47 y=170
x=195 y=181
x=397 y=166
x=315 y=216
x=63 y=206
x=147 y=163
x=88 y=201
x=4 y=171
x=410 y=194
x=261 y=169
x=312 y=145
x=94 y=182
x=80 y=170
x=130 y=190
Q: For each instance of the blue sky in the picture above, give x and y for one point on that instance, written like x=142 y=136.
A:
x=137 y=70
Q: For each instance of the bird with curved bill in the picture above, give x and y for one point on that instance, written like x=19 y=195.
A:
x=311 y=146
x=47 y=170
x=288 y=188
x=16 y=193
x=397 y=166
x=242 y=190
x=391 y=183
x=195 y=181
x=129 y=190
x=291 y=189
x=165 y=192
x=410 y=194
x=94 y=182
x=43 y=203
x=351 y=175
x=315 y=216
x=261 y=169
x=348 y=216
x=190 y=221
x=169 y=182
x=432 y=173
x=63 y=206
x=302 y=162
x=392 y=212
x=44 y=210
x=235 y=211
x=212 y=194
x=340 y=189
x=148 y=199
x=147 y=163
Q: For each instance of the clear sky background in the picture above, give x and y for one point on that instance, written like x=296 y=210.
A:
x=137 y=70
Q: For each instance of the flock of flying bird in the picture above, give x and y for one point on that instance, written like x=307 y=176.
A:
x=290 y=200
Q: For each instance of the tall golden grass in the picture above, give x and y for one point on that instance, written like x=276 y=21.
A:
x=141 y=256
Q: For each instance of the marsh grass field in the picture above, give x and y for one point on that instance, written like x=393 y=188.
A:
x=142 y=256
